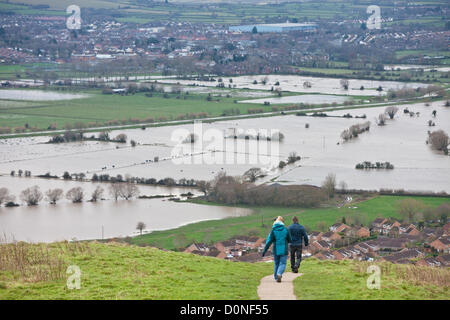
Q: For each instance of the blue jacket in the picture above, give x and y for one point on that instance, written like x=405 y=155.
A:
x=280 y=238
x=298 y=234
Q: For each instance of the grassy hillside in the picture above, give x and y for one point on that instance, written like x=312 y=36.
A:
x=114 y=271
x=346 y=280
x=212 y=231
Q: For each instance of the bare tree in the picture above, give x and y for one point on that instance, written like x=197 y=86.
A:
x=253 y=174
x=97 y=194
x=293 y=157
x=391 y=111
x=115 y=190
x=121 y=138
x=409 y=209
x=204 y=186
x=5 y=197
x=128 y=190
x=439 y=140
x=321 y=226
x=53 y=195
x=140 y=226
x=32 y=196
x=381 y=120
x=344 y=84
x=329 y=185
x=343 y=186
x=75 y=195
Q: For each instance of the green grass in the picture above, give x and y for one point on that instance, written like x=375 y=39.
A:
x=119 y=272
x=344 y=280
x=101 y=108
x=219 y=230
x=215 y=12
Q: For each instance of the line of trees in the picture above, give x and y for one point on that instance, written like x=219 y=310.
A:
x=355 y=130
x=33 y=196
x=237 y=190
x=72 y=136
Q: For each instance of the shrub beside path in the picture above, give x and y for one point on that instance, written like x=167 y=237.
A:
x=269 y=289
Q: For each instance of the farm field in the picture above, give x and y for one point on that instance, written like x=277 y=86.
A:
x=229 y=12
x=98 y=109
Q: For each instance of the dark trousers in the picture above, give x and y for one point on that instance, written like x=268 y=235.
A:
x=296 y=256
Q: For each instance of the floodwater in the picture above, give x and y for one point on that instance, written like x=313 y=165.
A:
x=306 y=98
x=108 y=218
x=401 y=142
x=295 y=84
x=38 y=95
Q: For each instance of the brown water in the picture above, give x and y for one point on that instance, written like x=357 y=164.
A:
x=65 y=220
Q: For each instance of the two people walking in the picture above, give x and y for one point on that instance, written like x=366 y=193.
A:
x=283 y=240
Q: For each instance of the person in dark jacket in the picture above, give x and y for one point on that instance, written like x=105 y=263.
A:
x=280 y=238
x=298 y=234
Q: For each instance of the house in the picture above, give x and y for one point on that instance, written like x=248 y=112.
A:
x=377 y=225
x=406 y=254
x=346 y=254
x=330 y=236
x=390 y=225
x=444 y=260
x=378 y=222
x=404 y=227
x=430 y=232
x=412 y=231
x=321 y=245
x=201 y=247
x=315 y=236
x=248 y=242
x=363 y=247
x=446 y=229
x=361 y=232
x=354 y=251
x=441 y=244
x=429 y=262
x=338 y=227
x=390 y=244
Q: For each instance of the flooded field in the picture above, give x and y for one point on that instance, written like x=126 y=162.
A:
x=38 y=95
x=306 y=98
x=296 y=84
x=401 y=142
x=65 y=220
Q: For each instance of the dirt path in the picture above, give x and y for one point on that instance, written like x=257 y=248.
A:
x=269 y=289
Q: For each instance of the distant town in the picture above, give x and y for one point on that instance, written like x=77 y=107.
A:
x=385 y=240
